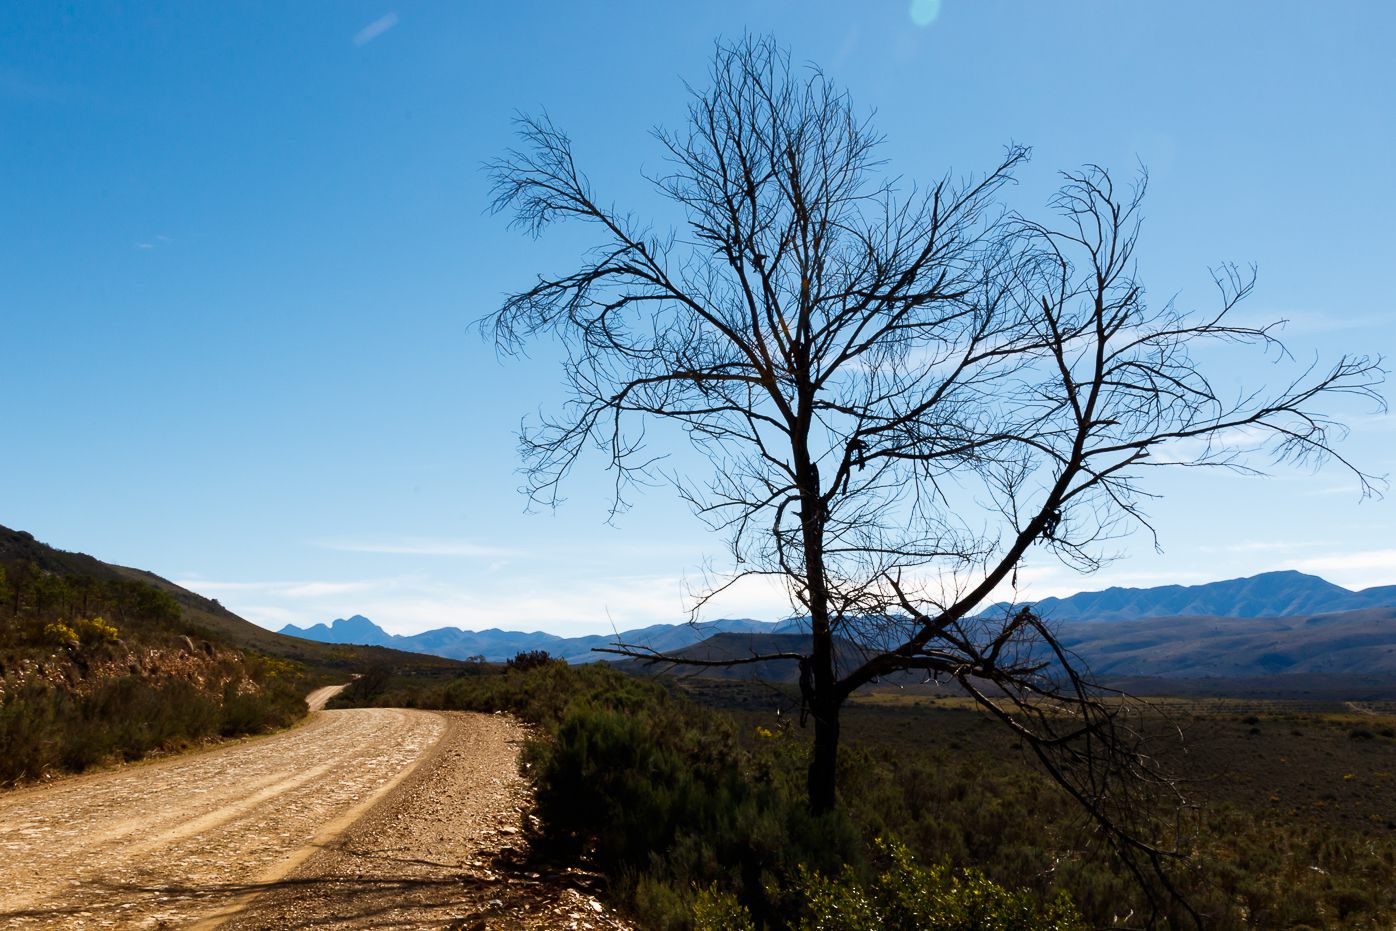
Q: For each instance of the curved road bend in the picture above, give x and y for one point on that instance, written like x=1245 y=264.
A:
x=165 y=844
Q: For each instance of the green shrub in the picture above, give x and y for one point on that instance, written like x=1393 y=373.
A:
x=909 y=896
x=716 y=910
x=531 y=659
x=663 y=797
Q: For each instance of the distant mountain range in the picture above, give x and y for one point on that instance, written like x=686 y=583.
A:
x=497 y=645
x=1331 y=648
x=1274 y=622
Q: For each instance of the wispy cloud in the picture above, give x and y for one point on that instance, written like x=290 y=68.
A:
x=421 y=546
x=1241 y=441
x=1265 y=546
x=274 y=617
x=324 y=589
x=1311 y=321
x=1372 y=422
x=289 y=589
x=569 y=599
x=1350 y=488
x=1358 y=569
x=1035 y=583
x=571 y=606
x=568 y=608
x=375 y=29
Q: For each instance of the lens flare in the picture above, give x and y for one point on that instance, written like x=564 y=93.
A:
x=924 y=12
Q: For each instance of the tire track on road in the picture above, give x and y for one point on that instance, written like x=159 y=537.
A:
x=165 y=844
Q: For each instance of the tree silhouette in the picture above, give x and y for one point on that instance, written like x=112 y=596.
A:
x=901 y=392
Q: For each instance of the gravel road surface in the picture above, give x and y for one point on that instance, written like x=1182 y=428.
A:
x=362 y=818
x=164 y=844
x=445 y=849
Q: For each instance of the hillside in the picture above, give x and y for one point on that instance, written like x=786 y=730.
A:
x=210 y=618
x=101 y=662
x=1350 y=643
x=738 y=648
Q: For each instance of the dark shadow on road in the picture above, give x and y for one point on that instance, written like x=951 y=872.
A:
x=376 y=890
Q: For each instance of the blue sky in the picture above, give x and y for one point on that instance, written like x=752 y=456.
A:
x=241 y=247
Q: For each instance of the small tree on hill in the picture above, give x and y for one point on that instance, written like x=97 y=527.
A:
x=901 y=392
x=530 y=659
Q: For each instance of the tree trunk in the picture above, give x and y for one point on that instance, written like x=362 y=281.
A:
x=818 y=678
x=819 y=682
x=824 y=760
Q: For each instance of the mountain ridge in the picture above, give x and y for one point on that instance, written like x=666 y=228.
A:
x=497 y=644
x=1282 y=593
x=1270 y=595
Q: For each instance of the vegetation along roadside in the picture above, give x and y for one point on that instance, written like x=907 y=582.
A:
x=696 y=814
x=96 y=670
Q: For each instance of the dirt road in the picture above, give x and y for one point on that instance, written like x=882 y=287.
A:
x=166 y=844
x=364 y=818
x=444 y=849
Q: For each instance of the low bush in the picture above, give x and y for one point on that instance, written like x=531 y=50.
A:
x=905 y=896
x=531 y=659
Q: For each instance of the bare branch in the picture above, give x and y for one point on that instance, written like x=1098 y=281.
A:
x=901 y=392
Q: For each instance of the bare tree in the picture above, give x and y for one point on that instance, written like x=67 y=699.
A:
x=900 y=392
